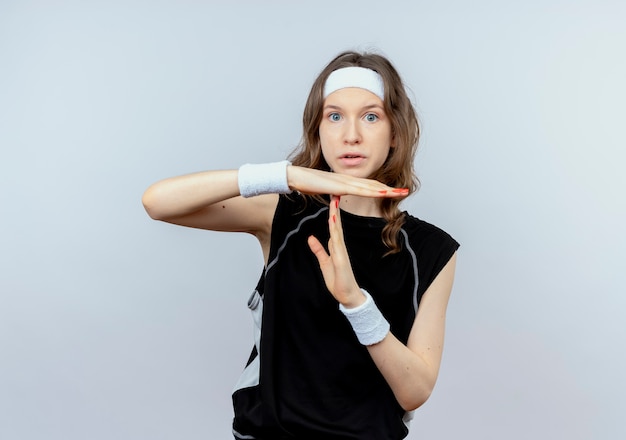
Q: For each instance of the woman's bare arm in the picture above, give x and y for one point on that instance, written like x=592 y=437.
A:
x=210 y=199
x=411 y=370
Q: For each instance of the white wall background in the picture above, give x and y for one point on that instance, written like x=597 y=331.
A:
x=113 y=326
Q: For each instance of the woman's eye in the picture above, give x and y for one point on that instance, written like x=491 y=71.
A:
x=371 y=117
x=334 y=117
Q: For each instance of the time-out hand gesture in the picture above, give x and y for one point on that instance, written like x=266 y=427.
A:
x=335 y=265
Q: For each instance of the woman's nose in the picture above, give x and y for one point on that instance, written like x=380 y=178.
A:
x=352 y=134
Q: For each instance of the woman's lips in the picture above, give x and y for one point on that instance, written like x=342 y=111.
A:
x=351 y=160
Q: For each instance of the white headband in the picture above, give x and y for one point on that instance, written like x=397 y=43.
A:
x=359 y=77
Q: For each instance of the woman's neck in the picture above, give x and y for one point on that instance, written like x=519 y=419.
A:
x=363 y=206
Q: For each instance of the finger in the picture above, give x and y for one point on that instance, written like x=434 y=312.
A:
x=335 y=214
x=384 y=191
x=333 y=206
x=343 y=277
x=372 y=188
x=318 y=250
x=323 y=182
x=336 y=246
x=333 y=217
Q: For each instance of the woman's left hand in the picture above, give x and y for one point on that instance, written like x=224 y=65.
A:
x=410 y=370
x=335 y=265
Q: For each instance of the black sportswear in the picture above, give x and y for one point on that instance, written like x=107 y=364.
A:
x=308 y=377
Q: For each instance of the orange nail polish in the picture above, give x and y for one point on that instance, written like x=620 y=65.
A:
x=334 y=219
x=336 y=203
x=383 y=191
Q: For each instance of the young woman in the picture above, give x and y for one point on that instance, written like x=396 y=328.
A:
x=350 y=307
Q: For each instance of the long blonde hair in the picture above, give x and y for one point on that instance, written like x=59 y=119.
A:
x=397 y=171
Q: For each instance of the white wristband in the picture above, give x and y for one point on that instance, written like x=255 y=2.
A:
x=267 y=178
x=367 y=322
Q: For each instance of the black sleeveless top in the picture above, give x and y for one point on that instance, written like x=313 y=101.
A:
x=308 y=376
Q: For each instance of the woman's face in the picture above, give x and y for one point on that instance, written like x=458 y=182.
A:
x=355 y=132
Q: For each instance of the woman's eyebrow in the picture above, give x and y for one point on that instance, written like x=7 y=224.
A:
x=373 y=106
x=365 y=107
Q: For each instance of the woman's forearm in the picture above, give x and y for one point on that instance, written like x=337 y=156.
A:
x=411 y=370
x=409 y=376
x=182 y=195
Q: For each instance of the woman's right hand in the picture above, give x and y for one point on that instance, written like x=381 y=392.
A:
x=312 y=181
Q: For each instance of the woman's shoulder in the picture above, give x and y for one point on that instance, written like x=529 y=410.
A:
x=420 y=231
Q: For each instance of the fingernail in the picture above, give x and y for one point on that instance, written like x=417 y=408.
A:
x=401 y=190
x=334 y=219
x=383 y=191
x=336 y=203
